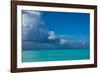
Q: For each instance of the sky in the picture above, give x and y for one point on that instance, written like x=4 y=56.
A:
x=70 y=24
x=49 y=29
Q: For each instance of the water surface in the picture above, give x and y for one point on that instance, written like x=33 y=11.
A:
x=55 y=55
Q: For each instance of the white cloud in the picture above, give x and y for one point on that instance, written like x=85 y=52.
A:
x=31 y=18
x=52 y=35
x=30 y=12
x=63 y=41
x=33 y=26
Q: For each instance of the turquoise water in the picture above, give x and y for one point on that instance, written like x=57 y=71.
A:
x=54 y=55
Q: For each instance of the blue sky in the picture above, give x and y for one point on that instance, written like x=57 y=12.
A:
x=48 y=29
x=71 y=24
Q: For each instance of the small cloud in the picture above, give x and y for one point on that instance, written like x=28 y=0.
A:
x=52 y=35
x=63 y=41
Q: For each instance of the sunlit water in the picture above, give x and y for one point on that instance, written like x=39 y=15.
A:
x=55 y=55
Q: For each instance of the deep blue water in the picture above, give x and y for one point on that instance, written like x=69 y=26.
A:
x=55 y=55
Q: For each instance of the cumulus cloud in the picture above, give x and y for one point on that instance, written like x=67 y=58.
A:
x=52 y=35
x=33 y=26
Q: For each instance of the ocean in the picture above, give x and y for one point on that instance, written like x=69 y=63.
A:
x=55 y=55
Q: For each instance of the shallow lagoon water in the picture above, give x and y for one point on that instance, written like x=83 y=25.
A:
x=55 y=55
